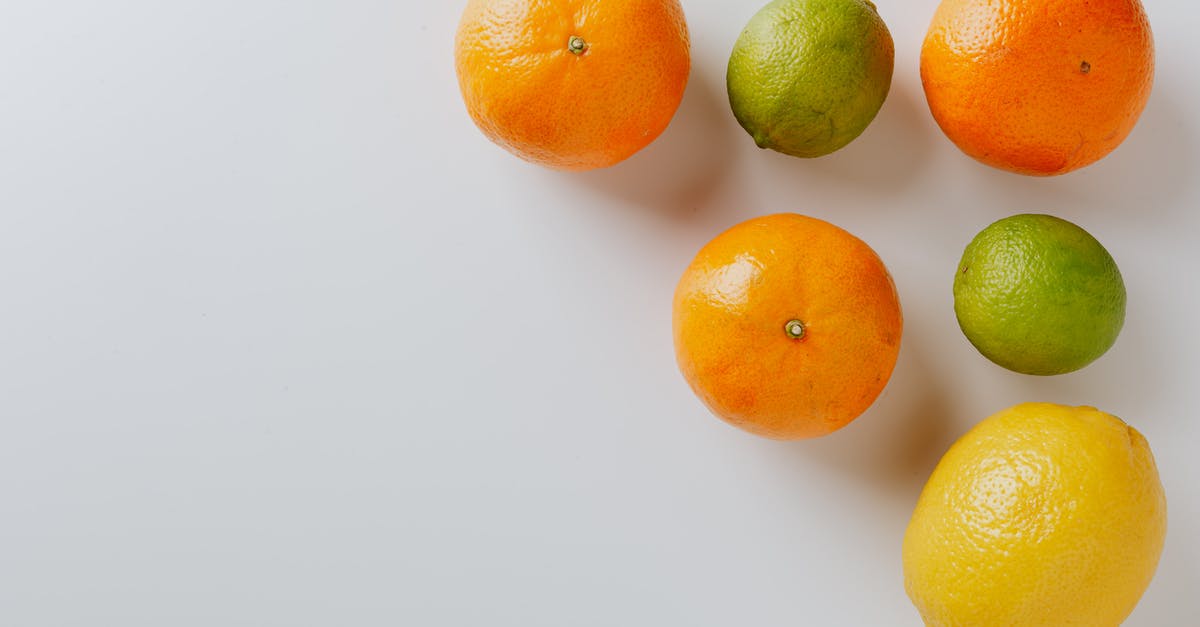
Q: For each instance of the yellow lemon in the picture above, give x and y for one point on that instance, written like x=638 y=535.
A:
x=1040 y=515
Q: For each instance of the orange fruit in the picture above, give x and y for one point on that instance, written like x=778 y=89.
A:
x=572 y=84
x=1038 y=87
x=787 y=326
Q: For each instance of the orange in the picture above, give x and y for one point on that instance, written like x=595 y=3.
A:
x=787 y=326
x=1038 y=87
x=572 y=84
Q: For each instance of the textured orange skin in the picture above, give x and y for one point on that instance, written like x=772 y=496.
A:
x=1006 y=80
x=529 y=93
x=734 y=301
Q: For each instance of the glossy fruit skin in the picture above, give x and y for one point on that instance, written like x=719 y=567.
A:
x=1042 y=515
x=732 y=308
x=1038 y=87
x=570 y=108
x=806 y=77
x=1039 y=295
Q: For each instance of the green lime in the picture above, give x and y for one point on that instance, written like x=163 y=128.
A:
x=807 y=76
x=1039 y=295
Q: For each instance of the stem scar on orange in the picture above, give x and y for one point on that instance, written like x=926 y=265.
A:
x=1038 y=87
x=572 y=84
x=787 y=326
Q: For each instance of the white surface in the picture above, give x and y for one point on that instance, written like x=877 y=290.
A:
x=285 y=341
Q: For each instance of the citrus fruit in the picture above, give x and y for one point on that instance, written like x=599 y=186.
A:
x=1038 y=87
x=1042 y=515
x=572 y=84
x=1039 y=295
x=786 y=326
x=807 y=76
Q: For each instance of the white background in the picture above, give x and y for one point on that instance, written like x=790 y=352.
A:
x=284 y=340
